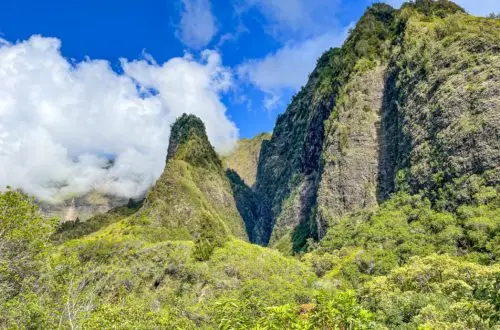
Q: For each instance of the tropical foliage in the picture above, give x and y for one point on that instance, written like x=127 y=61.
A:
x=423 y=253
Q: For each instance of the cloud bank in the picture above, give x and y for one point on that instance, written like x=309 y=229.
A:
x=61 y=122
x=305 y=29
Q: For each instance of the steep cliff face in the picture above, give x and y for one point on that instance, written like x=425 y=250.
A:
x=409 y=103
x=291 y=162
x=351 y=148
x=442 y=129
x=291 y=157
x=193 y=196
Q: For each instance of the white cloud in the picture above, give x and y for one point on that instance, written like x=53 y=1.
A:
x=233 y=36
x=197 y=26
x=302 y=18
x=306 y=28
x=58 y=121
x=288 y=67
x=475 y=7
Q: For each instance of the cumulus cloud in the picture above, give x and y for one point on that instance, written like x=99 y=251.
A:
x=475 y=7
x=197 y=25
x=73 y=127
x=288 y=67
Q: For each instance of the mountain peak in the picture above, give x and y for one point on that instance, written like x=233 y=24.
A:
x=441 y=8
x=189 y=142
x=193 y=199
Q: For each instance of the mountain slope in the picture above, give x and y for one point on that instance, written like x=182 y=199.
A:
x=447 y=123
x=388 y=157
x=435 y=120
x=193 y=196
x=291 y=163
x=409 y=103
x=244 y=159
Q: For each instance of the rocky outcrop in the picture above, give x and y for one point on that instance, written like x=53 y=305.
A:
x=409 y=103
x=351 y=148
x=193 y=197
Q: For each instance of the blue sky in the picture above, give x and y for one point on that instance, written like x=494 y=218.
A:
x=83 y=80
x=239 y=30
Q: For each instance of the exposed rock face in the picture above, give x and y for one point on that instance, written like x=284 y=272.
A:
x=244 y=159
x=295 y=210
x=291 y=165
x=409 y=103
x=193 y=196
x=443 y=125
x=292 y=156
x=351 y=148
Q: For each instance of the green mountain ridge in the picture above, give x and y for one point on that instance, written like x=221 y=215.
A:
x=377 y=198
x=193 y=196
x=386 y=113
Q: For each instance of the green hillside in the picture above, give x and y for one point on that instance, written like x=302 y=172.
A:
x=376 y=205
x=193 y=196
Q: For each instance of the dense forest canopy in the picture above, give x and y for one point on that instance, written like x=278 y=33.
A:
x=375 y=204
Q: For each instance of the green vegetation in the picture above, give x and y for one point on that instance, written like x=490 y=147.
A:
x=122 y=275
x=24 y=236
x=296 y=149
x=193 y=195
x=244 y=159
x=436 y=292
x=403 y=265
x=443 y=86
x=406 y=226
x=378 y=194
x=76 y=229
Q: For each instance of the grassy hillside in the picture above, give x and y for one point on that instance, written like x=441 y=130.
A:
x=193 y=193
x=378 y=193
x=371 y=271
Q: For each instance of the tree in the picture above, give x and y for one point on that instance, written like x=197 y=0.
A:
x=24 y=240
